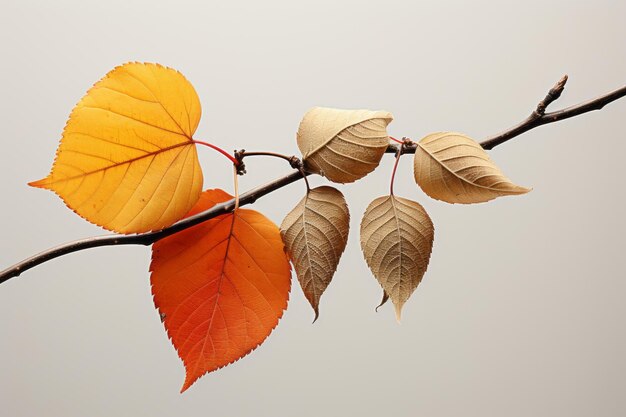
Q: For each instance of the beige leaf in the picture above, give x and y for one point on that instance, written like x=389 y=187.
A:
x=343 y=145
x=453 y=168
x=315 y=234
x=397 y=239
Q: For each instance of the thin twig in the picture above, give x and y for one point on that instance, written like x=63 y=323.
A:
x=293 y=160
x=540 y=117
x=537 y=118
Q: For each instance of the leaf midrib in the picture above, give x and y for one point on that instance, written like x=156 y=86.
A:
x=118 y=164
x=462 y=179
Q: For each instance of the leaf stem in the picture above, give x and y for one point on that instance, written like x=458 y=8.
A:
x=293 y=160
x=395 y=166
x=220 y=150
x=236 y=187
x=306 y=180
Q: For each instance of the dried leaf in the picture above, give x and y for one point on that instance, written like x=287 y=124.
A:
x=221 y=286
x=126 y=160
x=315 y=233
x=343 y=145
x=397 y=239
x=454 y=168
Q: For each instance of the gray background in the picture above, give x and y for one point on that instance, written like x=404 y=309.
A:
x=521 y=311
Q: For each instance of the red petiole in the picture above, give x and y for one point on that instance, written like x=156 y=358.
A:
x=395 y=167
x=220 y=150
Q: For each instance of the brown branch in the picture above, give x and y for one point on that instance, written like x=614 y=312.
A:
x=537 y=118
x=149 y=238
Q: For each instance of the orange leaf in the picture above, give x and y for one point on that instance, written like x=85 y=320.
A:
x=221 y=286
x=126 y=160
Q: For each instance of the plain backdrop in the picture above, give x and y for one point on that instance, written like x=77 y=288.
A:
x=522 y=309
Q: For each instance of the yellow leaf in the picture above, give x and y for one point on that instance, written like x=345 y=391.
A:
x=454 y=168
x=397 y=239
x=343 y=145
x=127 y=161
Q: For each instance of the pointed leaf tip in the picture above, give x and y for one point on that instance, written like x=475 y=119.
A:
x=317 y=314
x=398 y=310
x=42 y=183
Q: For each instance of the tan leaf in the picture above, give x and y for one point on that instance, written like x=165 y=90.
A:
x=453 y=168
x=343 y=145
x=397 y=239
x=315 y=234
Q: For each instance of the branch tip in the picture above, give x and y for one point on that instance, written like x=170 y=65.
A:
x=553 y=95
